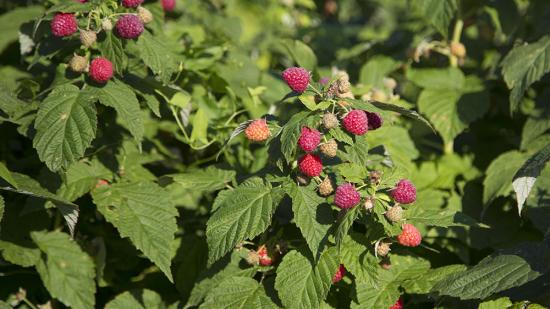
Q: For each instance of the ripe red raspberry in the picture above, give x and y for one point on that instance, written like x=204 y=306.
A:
x=129 y=26
x=101 y=70
x=131 y=3
x=410 y=236
x=404 y=192
x=64 y=24
x=257 y=131
x=296 y=78
x=375 y=120
x=398 y=304
x=346 y=196
x=310 y=165
x=168 y=5
x=340 y=273
x=264 y=258
x=309 y=139
x=356 y=122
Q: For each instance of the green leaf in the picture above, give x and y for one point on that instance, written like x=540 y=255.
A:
x=352 y=172
x=82 y=177
x=66 y=271
x=204 y=180
x=238 y=292
x=373 y=71
x=354 y=254
x=345 y=222
x=438 y=12
x=312 y=215
x=119 y=96
x=243 y=214
x=356 y=153
x=303 y=285
x=13 y=19
x=524 y=65
x=200 y=127
x=499 y=303
x=290 y=134
x=65 y=126
x=6 y=175
x=341 y=136
x=144 y=212
x=157 y=56
x=403 y=268
x=439 y=217
x=403 y=111
x=490 y=276
x=451 y=111
x=302 y=54
x=525 y=178
x=111 y=48
x=449 y=78
x=2 y=204
x=136 y=299
x=499 y=174
x=425 y=283
x=19 y=255
x=70 y=7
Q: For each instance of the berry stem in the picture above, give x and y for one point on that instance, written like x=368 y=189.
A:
x=457 y=32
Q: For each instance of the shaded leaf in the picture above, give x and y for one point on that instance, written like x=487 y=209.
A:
x=525 y=178
x=238 y=292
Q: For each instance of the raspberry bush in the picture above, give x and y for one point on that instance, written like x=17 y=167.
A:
x=280 y=154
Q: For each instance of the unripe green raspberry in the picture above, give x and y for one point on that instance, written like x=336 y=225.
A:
x=343 y=85
x=458 y=50
x=394 y=214
x=390 y=83
x=107 y=25
x=326 y=188
x=87 y=38
x=78 y=64
x=144 y=15
x=253 y=258
x=329 y=148
x=330 y=121
x=383 y=249
x=369 y=203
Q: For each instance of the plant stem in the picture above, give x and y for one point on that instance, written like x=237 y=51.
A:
x=457 y=32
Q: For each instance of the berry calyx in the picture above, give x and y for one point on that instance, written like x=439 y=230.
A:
x=144 y=15
x=263 y=256
x=129 y=26
x=340 y=273
x=375 y=120
x=329 y=148
x=346 y=196
x=131 y=3
x=410 y=236
x=394 y=214
x=296 y=78
x=101 y=70
x=398 y=304
x=356 y=122
x=326 y=188
x=310 y=165
x=168 y=5
x=64 y=24
x=257 y=131
x=383 y=249
x=330 y=121
x=87 y=37
x=309 y=139
x=78 y=64
x=404 y=192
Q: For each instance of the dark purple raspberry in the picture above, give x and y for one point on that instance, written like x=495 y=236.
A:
x=129 y=26
x=131 y=3
x=375 y=120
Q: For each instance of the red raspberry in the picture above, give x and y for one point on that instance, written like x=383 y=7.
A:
x=346 y=196
x=131 y=3
x=410 y=236
x=264 y=258
x=404 y=192
x=309 y=139
x=375 y=120
x=398 y=304
x=64 y=24
x=356 y=122
x=296 y=78
x=129 y=26
x=101 y=183
x=340 y=273
x=257 y=131
x=310 y=165
x=101 y=70
x=168 y=5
